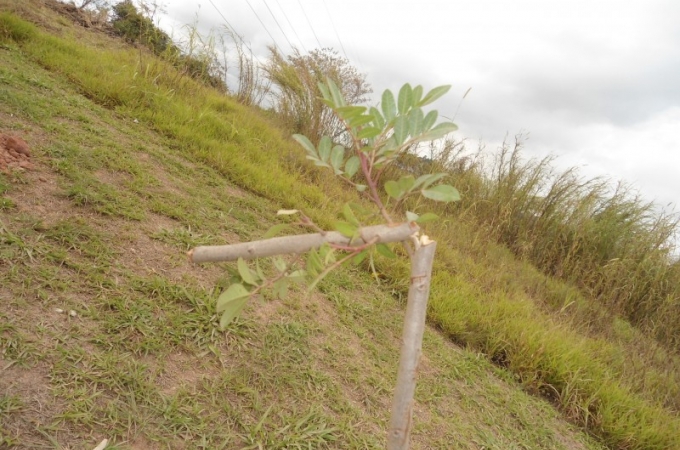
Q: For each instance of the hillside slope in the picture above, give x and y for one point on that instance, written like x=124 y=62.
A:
x=106 y=331
x=100 y=226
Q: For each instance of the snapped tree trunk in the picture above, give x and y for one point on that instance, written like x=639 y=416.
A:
x=300 y=243
x=399 y=434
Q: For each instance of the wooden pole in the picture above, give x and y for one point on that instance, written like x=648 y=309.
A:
x=399 y=433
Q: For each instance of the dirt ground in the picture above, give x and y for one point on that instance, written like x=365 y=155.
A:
x=14 y=154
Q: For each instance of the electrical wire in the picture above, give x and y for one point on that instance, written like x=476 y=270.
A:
x=231 y=27
x=310 y=24
x=264 y=26
x=291 y=25
x=277 y=23
x=328 y=11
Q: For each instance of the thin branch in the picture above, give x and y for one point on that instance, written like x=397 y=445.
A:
x=340 y=262
x=373 y=187
x=300 y=243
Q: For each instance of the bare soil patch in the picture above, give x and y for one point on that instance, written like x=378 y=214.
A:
x=15 y=154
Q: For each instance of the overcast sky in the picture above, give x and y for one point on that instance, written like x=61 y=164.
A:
x=596 y=83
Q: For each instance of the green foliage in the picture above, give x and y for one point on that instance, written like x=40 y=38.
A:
x=605 y=239
x=371 y=153
x=12 y=28
x=378 y=139
x=135 y=27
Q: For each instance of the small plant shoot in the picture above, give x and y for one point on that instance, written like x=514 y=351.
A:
x=373 y=139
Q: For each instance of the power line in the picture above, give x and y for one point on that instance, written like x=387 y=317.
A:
x=264 y=26
x=335 y=29
x=291 y=25
x=277 y=23
x=310 y=24
x=231 y=27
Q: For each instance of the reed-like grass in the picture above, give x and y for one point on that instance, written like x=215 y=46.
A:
x=602 y=237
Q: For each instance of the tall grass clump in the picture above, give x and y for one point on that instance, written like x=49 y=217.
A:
x=604 y=239
x=197 y=58
x=204 y=122
x=296 y=98
x=14 y=29
x=552 y=361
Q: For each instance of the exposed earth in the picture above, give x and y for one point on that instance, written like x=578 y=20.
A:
x=14 y=154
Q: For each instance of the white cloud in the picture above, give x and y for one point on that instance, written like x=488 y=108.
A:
x=593 y=81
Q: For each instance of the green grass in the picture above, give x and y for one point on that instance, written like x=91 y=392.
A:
x=142 y=361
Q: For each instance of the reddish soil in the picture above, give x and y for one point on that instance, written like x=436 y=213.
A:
x=14 y=154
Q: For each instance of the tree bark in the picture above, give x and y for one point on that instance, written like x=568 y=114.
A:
x=399 y=433
x=300 y=243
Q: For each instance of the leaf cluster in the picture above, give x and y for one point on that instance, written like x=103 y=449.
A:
x=378 y=137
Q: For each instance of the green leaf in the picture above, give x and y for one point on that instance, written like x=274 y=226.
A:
x=325 y=148
x=400 y=129
x=415 y=119
x=324 y=91
x=388 y=105
x=356 y=260
x=417 y=94
x=314 y=264
x=234 y=292
x=281 y=288
x=321 y=164
x=337 y=156
x=327 y=253
x=280 y=264
x=258 y=270
x=275 y=230
x=406 y=183
x=378 y=119
x=352 y=166
x=442 y=193
x=335 y=92
x=411 y=216
x=298 y=276
x=439 y=131
x=427 y=217
x=349 y=215
x=434 y=94
x=405 y=100
x=345 y=228
x=358 y=121
x=429 y=120
x=306 y=144
x=348 y=112
x=424 y=181
x=360 y=187
x=393 y=189
x=246 y=274
x=231 y=311
x=384 y=250
x=369 y=132
x=329 y=258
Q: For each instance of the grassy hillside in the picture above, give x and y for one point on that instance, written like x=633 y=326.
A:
x=134 y=165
